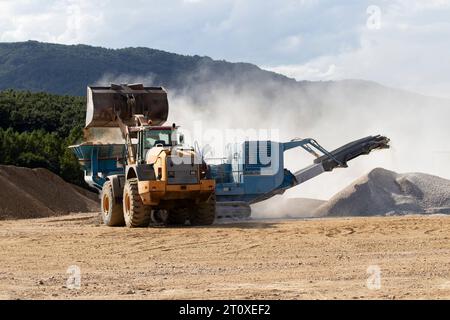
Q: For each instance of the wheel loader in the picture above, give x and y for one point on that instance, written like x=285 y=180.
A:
x=139 y=180
x=162 y=179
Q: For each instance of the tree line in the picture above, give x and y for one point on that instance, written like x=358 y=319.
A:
x=36 y=130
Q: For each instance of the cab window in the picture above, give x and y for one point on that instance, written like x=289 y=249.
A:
x=153 y=138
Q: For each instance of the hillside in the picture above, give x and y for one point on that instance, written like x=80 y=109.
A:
x=66 y=69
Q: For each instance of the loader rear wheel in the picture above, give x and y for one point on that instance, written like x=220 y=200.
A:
x=177 y=216
x=204 y=213
x=112 y=213
x=135 y=213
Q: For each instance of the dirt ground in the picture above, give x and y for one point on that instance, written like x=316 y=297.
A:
x=270 y=259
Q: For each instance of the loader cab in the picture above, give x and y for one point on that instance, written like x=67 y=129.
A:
x=166 y=137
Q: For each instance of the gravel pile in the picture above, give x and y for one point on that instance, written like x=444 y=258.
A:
x=32 y=193
x=384 y=192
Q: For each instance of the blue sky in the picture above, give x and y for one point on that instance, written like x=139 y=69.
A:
x=400 y=43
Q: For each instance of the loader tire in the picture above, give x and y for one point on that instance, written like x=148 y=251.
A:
x=204 y=213
x=135 y=213
x=177 y=216
x=112 y=213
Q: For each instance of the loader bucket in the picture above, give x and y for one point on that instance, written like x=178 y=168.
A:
x=105 y=104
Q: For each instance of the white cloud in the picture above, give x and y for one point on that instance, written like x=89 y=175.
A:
x=64 y=21
x=311 y=71
x=307 y=39
x=408 y=51
x=289 y=44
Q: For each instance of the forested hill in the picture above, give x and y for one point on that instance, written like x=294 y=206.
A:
x=68 y=69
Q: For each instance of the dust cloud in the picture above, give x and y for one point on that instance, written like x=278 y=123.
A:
x=333 y=113
x=102 y=135
x=287 y=208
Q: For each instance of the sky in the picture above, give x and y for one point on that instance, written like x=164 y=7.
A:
x=399 y=43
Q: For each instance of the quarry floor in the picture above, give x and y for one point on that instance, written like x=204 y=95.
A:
x=333 y=258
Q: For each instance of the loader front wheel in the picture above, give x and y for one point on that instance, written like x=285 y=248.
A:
x=204 y=213
x=135 y=213
x=177 y=216
x=111 y=211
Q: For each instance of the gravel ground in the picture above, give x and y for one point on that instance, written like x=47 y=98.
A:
x=264 y=259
